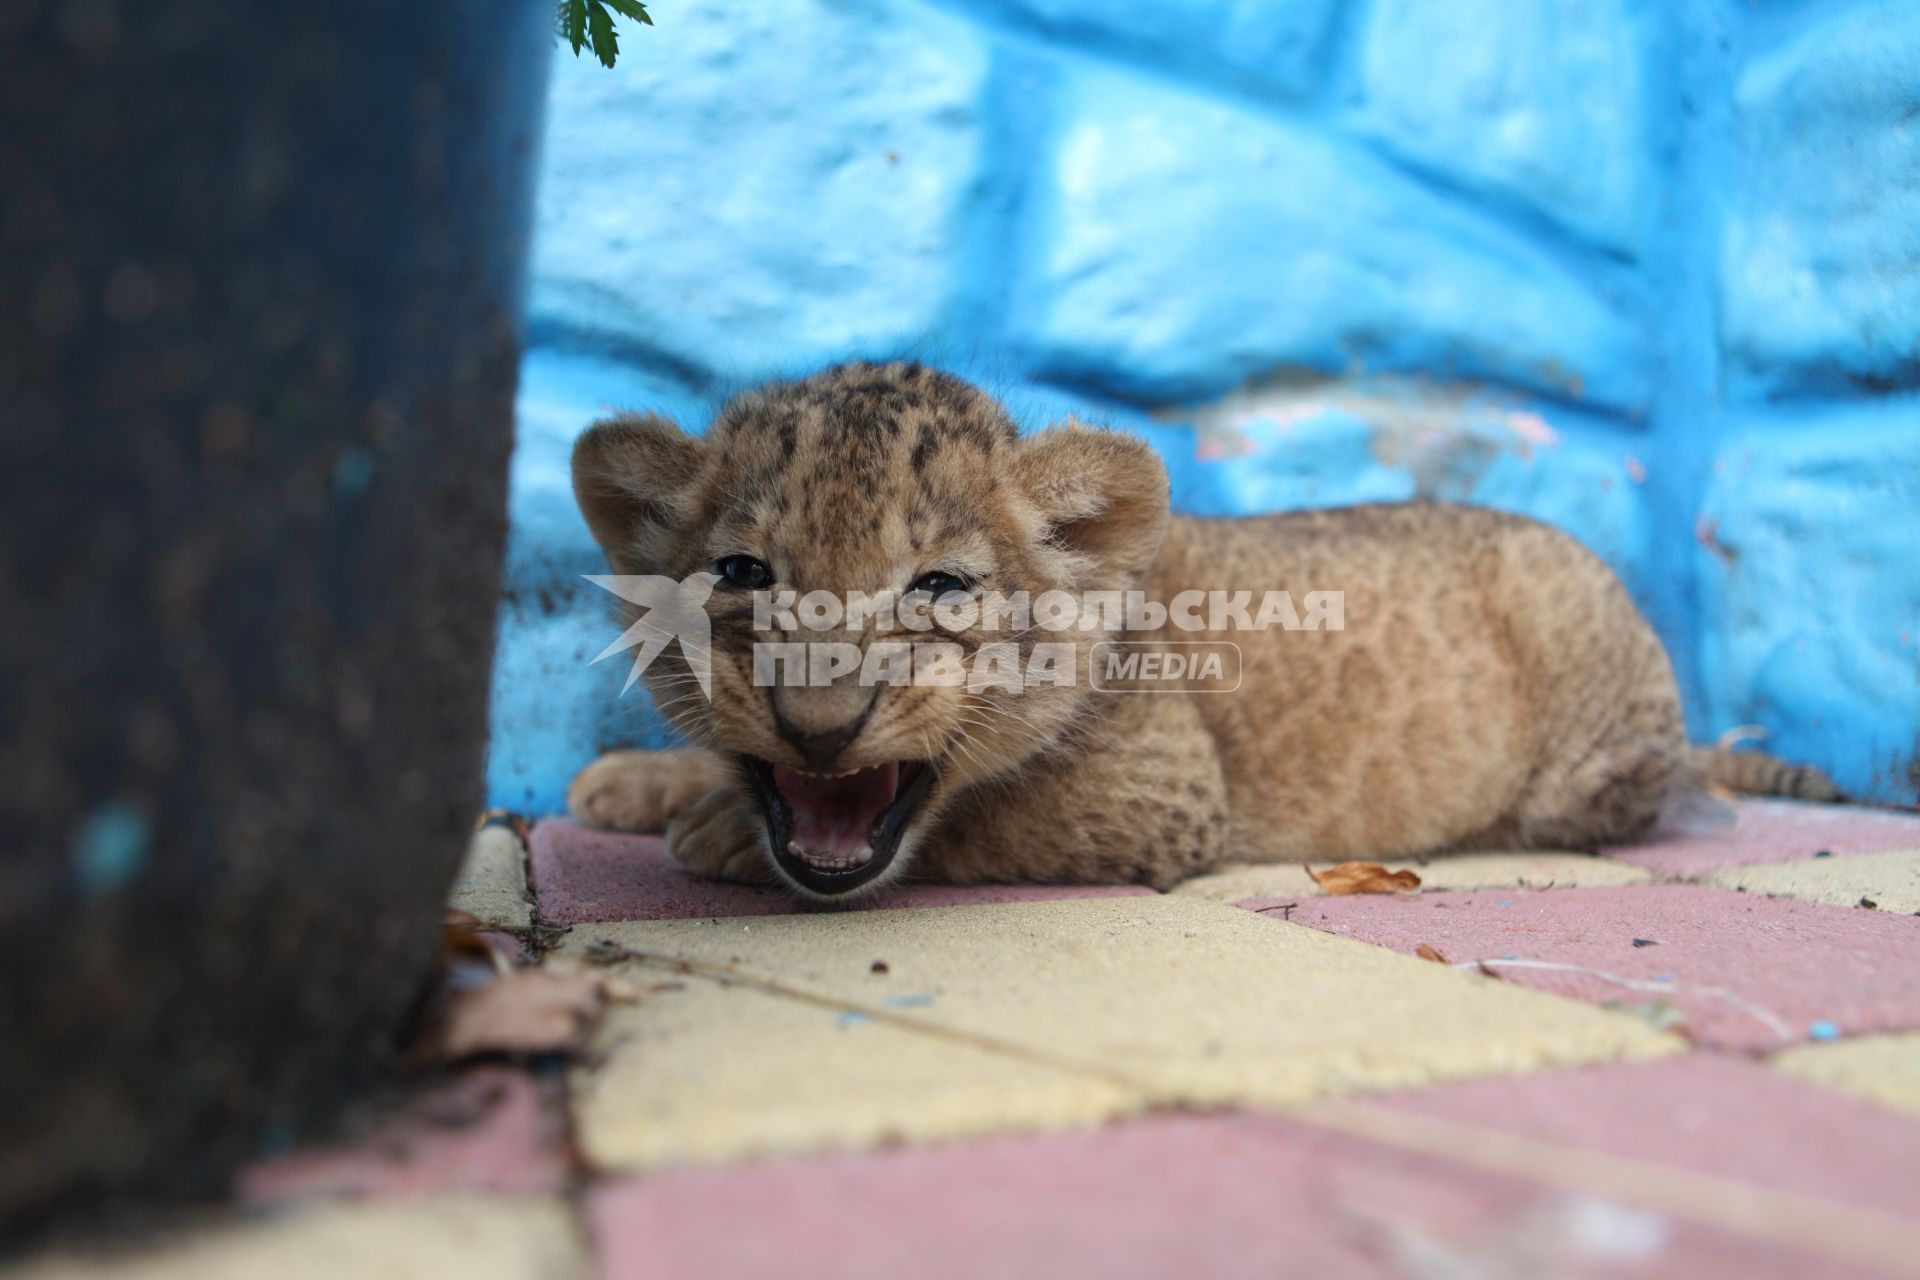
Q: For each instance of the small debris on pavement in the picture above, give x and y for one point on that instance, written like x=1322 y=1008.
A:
x=1645 y=942
x=878 y=966
x=469 y=955
x=1869 y=904
x=1658 y=1012
x=1426 y=952
x=1364 y=877
x=512 y=821
x=908 y=1002
x=491 y=1001
x=1824 y=1030
x=546 y=1010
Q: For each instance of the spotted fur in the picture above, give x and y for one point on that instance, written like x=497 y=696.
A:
x=1493 y=684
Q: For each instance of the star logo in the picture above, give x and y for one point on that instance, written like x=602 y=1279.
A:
x=672 y=611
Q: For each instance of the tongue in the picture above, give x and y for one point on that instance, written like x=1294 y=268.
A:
x=831 y=819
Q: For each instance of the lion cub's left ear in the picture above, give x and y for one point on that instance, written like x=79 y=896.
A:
x=1103 y=495
x=634 y=478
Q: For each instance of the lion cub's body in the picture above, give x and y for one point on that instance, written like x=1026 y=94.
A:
x=1492 y=686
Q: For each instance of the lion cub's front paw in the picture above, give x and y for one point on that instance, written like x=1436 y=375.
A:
x=641 y=790
x=718 y=837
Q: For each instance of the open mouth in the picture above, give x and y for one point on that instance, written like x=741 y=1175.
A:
x=833 y=833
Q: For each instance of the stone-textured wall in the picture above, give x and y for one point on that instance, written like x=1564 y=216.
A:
x=1647 y=269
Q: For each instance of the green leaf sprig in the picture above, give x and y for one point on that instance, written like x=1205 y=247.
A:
x=586 y=22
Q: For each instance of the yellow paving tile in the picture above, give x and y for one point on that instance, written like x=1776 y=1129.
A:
x=1033 y=1015
x=471 y=1237
x=710 y=1073
x=1884 y=1068
x=1238 y=881
x=1891 y=880
x=493 y=880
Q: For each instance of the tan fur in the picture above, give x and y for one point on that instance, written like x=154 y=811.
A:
x=1493 y=684
x=1760 y=774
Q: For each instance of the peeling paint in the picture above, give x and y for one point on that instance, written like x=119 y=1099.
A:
x=1707 y=533
x=1444 y=435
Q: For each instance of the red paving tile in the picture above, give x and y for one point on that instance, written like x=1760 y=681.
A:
x=1746 y=971
x=1775 y=831
x=1216 y=1196
x=1709 y=1113
x=490 y=1129
x=583 y=876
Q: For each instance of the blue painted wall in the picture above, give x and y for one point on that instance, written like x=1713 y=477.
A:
x=1647 y=269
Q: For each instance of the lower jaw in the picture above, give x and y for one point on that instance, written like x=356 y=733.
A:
x=830 y=882
x=835 y=882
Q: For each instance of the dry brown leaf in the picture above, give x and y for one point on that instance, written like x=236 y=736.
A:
x=616 y=990
x=504 y=818
x=1426 y=952
x=529 y=1011
x=1363 y=877
x=464 y=946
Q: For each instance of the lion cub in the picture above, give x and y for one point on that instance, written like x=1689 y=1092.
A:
x=1489 y=683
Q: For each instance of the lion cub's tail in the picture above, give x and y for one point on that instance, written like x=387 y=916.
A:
x=1758 y=773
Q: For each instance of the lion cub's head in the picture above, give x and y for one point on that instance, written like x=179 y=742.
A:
x=913 y=489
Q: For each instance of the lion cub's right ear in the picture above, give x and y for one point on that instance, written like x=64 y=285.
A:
x=634 y=478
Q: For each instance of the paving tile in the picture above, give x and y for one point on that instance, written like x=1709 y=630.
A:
x=472 y=1237
x=1217 y=1195
x=585 y=876
x=708 y=1073
x=1745 y=971
x=492 y=886
x=1713 y=1114
x=1883 y=1068
x=492 y=1129
x=1765 y=830
x=1240 y=881
x=1890 y=881
x=1129 y=1001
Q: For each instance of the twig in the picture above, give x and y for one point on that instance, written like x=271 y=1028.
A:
x=1770 y=1020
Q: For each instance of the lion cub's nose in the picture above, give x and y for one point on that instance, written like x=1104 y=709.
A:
x=821 y=732
x=822 y=749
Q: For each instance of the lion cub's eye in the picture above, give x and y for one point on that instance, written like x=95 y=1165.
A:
x=744 y=571
x=939 y=584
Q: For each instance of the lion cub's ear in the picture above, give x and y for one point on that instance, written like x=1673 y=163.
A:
x=634 y=477
x=1103 y=495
